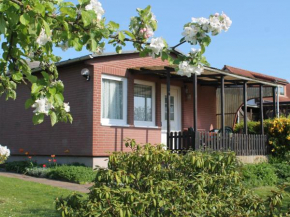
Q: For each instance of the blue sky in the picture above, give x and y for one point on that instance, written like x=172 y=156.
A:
x=258 y=40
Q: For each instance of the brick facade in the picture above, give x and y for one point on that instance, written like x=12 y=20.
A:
x=86 y=136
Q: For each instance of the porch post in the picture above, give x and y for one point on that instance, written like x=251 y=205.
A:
x=168 y=107
x=223 y=104
x=278 y=102
x=274 y=102
x=194 y=82
x=245 y=93
x=261 y=109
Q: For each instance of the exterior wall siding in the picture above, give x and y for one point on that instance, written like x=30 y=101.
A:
x=18 y=132
x=108 y=139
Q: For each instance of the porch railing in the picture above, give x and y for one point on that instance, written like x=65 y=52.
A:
x=242 y=144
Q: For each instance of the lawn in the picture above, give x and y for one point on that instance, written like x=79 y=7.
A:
x=23 y=198
x=265 y=191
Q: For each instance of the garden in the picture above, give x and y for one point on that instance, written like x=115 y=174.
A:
x=151 y=181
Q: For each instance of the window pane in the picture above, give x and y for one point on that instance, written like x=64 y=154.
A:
x=142 y=102
x=282 y=92
x=112 y=99
x=171 y=108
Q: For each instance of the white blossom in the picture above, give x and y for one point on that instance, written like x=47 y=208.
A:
x=190 y=33
x=215 y=24
x=66 y=107
x=96 y=6
x=55 y=83
x=153 y=17
x=64 y=46
x=186 y=69
x=42 y=106
x=99 y=50
x=156 y=45
x=4 y=153
x=226 y=22
x=194 y=51
x=43 y=38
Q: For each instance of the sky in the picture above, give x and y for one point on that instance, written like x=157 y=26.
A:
x=258 y=40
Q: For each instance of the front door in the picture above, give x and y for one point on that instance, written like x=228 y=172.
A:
x=175 y=111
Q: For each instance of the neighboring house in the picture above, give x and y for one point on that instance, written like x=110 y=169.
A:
x=253 y=103
x=124 y=97
x=284 y=102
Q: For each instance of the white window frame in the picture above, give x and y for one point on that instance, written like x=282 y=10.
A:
x=284 y=89
x=115 y=122
x=147 y=123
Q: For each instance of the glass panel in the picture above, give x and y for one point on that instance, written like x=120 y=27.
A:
x=112 y=99
x=171 y=108
x=282 y=91
x=142 y=102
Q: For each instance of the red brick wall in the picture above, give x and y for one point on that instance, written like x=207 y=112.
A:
x=109 y=138
x=86 y=136
x=18 y=132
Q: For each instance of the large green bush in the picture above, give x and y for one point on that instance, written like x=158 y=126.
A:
x=262 y=174
x=77 y=174
x=150 y=181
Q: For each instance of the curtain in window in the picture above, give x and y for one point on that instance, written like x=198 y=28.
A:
x=112 y=99
x=142 y=102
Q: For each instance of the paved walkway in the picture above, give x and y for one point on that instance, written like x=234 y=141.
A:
x=60 y=184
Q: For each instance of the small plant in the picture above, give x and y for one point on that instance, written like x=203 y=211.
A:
x=77 y=174
x=19 y=166
x=37 y=171
x=261 y=174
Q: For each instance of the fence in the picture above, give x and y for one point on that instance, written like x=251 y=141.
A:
x=243 y=145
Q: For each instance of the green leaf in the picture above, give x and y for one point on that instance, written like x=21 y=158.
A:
x=130 y=34
x=29 y=103
x=68 y=11
x=59 y=99
x=2 y=24
x=17 y=76
x=121 y=36
x=38 y=119
x=32 y=78
x=46 y=27
x=25 y=19
x=119 y=49
x=35 y=88
x=53 y=118
x=83 y=1
x=88 y=17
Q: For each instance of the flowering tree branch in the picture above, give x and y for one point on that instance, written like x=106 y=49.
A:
x=31 y=29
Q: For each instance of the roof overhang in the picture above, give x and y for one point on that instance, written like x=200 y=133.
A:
x=210 y=76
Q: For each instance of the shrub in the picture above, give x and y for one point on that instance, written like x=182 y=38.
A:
x=282 y=170
x=253 y=127
x=151 y=181
x=77 y=174
x=37 y=172
x=19 y=166
x=261 y=174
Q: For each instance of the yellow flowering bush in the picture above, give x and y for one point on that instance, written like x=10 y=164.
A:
x=278 y=131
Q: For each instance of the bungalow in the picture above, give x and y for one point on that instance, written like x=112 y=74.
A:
x=117 y=96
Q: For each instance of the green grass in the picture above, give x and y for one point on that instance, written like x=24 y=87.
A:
x=265 y=191
x=23 y=198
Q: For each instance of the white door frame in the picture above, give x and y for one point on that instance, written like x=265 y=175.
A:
x=178 y=112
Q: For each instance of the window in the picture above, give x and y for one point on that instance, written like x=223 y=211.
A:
x=144 y=103
x=282 y=90
x=171 y=108
x=114 y=100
